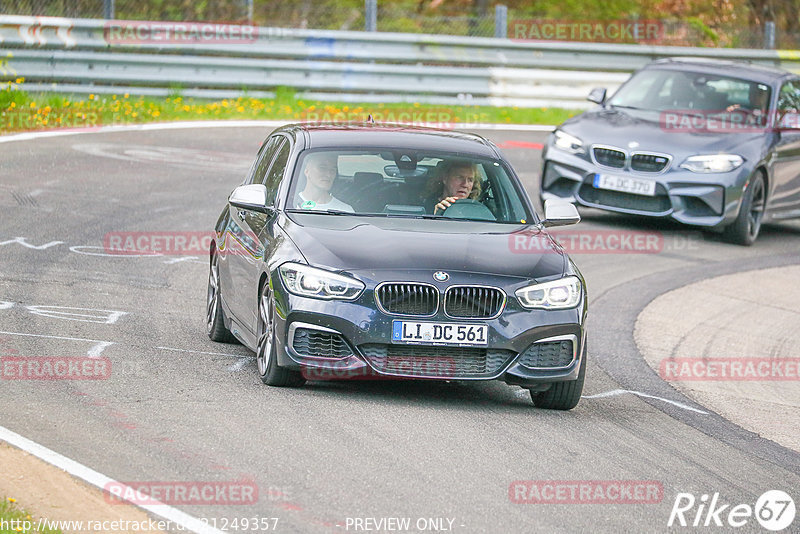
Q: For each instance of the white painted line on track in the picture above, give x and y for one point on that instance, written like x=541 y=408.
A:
x=616 y=392
x=94 y=352
x=201 y=352
x=233 y=124
x=182 y=519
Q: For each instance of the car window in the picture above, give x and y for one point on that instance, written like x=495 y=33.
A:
x=276 y=170
x=789 y=98
x=394 y=182
x=267 y=153
x=671 y=90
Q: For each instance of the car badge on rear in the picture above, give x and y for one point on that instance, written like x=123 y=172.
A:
x=441 y=276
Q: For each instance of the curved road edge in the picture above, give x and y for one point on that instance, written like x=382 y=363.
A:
x=612 y=326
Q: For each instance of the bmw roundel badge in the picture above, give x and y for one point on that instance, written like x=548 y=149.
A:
x=441 y=276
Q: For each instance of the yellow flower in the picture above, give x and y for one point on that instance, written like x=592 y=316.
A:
x=240 y=109
x=13 y=105
x=91 y=96
x=156 y=113
x=126 y=95
x=12 y=499
x=33 y=105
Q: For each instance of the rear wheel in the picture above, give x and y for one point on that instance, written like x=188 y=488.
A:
x=745 y=228
x=266 y=353
x=215 y=320
x=562 y=395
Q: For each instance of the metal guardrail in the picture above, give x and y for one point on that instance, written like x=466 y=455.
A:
x=97 y=56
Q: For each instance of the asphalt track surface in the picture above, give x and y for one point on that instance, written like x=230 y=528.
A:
x=178 y=407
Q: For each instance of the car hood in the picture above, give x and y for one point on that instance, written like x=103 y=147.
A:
x=618 y=127
x=352 y=243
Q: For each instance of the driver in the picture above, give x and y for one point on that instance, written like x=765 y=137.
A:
x=455 y=180
x=320 y=171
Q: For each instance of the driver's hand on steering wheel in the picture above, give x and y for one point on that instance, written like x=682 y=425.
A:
x=444 y=204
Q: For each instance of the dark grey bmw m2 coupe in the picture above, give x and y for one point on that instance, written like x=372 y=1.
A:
x=385 y=252
x=713 y=144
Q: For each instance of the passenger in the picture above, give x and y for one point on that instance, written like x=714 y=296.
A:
x=320 y=172
x=453 y=180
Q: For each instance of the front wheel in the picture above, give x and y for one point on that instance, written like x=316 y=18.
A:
x=562 y=395
x=745 y=228
x=266 y=353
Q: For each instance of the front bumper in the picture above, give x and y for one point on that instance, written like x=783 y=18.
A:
x=367 y=333
x=708 y=200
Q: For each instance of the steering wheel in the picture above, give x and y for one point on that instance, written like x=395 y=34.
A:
x=467 y=208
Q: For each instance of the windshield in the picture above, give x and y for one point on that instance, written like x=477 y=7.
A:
x=670 y=90
x=404 y=183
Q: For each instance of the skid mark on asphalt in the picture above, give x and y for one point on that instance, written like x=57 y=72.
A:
x=616 y=392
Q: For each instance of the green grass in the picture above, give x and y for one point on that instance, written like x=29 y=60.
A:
x=24 y=111
x=9 y=512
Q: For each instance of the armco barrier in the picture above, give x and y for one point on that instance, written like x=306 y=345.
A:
x=89 y=54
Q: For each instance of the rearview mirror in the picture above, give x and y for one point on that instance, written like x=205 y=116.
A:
x=597 y=95
x=251 y=197
x=559 y=213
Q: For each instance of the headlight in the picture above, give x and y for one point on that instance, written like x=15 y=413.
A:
x=712 y=163
x=555 y=295
x=316 y=283
x=567 y=142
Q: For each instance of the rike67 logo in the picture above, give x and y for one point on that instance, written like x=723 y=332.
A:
x=774 y=510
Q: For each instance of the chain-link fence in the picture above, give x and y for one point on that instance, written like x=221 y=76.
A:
x=482 y=18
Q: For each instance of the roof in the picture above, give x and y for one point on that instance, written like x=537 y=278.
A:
x=736 y=69
x=369 y=135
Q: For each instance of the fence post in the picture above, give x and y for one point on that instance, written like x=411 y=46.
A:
x=371 y=15
x=769 y=34
x=249 y=8
x=108 y=9
x=500 y=21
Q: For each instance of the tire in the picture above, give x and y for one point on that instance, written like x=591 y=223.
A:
x=269 y=371
x=562 y=395
x=747 y=225
x=215 y=317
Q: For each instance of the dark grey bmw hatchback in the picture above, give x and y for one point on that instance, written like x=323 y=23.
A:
x=390 y=252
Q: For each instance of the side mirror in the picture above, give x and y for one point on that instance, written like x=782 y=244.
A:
x=559 y=213
x=597 y=95
x=251 y=197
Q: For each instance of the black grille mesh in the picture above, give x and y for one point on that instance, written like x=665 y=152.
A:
x=319 y=344
x=473 y=302
x=659 y=203
x=435 y=361
x=408 y=298
x=609 y=157
x=649 y=162
x=548 y=354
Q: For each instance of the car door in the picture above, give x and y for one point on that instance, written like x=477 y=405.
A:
x=232 y=293
x=786 y=166
x=253 y=233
